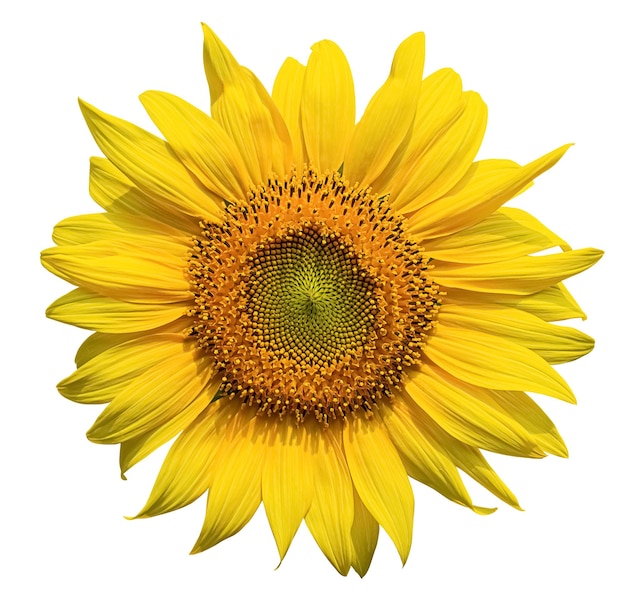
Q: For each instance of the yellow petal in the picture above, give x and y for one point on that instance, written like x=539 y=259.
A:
x=380 y=479
x=506 y=234
x=90 y=310
x=555 y=344
x=136 y=449
x=519 y=276
x=389 y=115
x=200 y=143
x=107 y=184
x=332 y=510
x=439 y=167
x=242 y=113
x=490 y=361
x=468 y=413
x=438 y=106
x=98 y=343
x=116 y=193
x=287 y=485
x=145 y=232
x=485 y=187
x=287 y=95
x=151 y=164
x=364 y=537
x=122 y=270
x=472 y=462
x=533 y=419
x=155 y=396
x=282 y=158
x=553 y=303
x=186 y=470
x=465 y=457
x=235 y=485
x=328 y=106
x=424 y=457
x=84 y=229
x=107 y=367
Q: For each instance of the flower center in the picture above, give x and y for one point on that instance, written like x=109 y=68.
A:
x=308 y=297
x=311 y=298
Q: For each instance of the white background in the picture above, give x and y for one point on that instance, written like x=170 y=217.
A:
x=551 y=72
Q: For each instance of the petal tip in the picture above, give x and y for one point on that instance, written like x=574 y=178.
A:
x=483 y=511
x=86 y=107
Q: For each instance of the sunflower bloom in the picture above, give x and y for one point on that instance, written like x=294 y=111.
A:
x=315 y=310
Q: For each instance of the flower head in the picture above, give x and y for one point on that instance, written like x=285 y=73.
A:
x=315 y=310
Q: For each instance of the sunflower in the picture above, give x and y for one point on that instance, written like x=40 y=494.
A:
x=316 y=310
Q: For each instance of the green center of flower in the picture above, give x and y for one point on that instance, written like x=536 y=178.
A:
x=311 y=298
x=308 y=297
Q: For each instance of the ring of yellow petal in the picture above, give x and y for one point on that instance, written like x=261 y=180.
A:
x=311 y=298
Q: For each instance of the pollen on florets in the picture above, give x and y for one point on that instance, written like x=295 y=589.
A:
x=311 y=298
